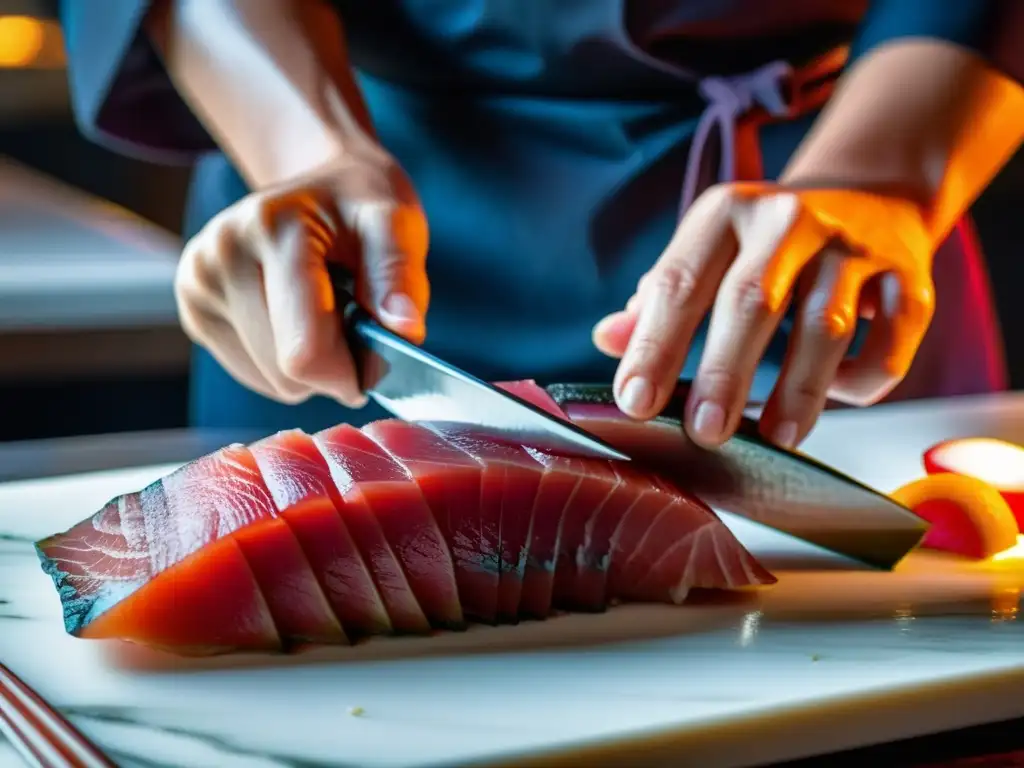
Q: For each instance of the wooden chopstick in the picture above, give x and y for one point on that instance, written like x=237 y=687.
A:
x=40 y=734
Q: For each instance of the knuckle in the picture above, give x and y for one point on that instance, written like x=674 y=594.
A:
x=722 y=195
x=806 y=394
x=919 y=305
x=189 y=322
x=719 y=379
x=676 y=283
x=828 y=323
x=193 y=281
x=215 y=252
x=648 y=353
x=749 y=298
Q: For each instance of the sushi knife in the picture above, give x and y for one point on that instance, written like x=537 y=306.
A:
x=417 y=386
x=851 y=524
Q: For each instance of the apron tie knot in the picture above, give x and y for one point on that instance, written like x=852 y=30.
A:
x=728 y=99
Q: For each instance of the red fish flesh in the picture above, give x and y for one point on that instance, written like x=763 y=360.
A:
x=394 y=528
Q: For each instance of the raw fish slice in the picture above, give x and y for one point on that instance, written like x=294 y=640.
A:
x=678 y=521
x=575 y=522
x=100 y=561
x=448 y=480
x=679 y=517
x=566 y=482
x=530 y=391
x=207 y=604
x=103 y=571
x=381 y=498
x=594 y=556
x=297 y=604
x=508 y=490
x=300 y=483
x=594 y=492
x=227 y=489
x=709 y=557
x=628 y=534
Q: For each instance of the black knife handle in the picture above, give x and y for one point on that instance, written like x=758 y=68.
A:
x=352 y=315
x=353 y=318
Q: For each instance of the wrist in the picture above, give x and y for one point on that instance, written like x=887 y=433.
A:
x=864 y=167
x=923 y=121
x=309 y=138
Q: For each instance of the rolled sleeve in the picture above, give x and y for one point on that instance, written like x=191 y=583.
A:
x=121 y=95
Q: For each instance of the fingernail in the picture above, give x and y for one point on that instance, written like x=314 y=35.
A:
x=637 y=396
x=785 y=434
x=709 y=421
x=398 y=308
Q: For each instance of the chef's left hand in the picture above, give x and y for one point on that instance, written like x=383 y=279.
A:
x=746 y=251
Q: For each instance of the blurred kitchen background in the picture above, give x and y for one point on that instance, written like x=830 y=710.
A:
x=88 y=243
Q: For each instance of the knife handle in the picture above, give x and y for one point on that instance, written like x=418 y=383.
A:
x=354 y=319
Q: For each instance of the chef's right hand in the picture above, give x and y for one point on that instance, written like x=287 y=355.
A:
x=252 y=287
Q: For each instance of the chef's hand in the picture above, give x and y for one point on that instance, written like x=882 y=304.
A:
x=252 y=287
x=746 y=251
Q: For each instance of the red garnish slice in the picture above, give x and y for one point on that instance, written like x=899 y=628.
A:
x=997 y=462
x=968 y=516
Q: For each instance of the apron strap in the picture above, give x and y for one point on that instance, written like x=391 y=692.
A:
x=738 y=106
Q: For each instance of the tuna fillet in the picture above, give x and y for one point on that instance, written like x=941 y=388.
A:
x=394 y=528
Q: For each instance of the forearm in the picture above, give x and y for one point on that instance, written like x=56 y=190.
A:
x=269 y=79
x=922 y=119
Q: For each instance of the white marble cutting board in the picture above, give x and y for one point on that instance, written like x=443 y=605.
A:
x=822 y=662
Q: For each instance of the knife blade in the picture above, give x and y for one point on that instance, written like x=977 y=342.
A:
x=754 y=479
x=791 y=492
x=417 y=387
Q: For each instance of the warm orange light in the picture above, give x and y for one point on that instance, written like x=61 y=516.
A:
x=21 y=40
x=1016 y=552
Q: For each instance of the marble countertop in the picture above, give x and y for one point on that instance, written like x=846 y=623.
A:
x=821 y=662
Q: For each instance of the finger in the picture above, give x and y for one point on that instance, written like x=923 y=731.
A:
x=673 y=300
x=202 y=307
x=611 y=335
x=896 y=332
x=219 y=339
x=304 y=320
x=790 y=235
x=249 y=315
x=201 y=314
x=824 y=328
x=776 y=242
x=392 y=280
x=741 y=326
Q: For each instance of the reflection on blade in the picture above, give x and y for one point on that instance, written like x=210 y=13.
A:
x=754 y=479
x=788 y=492
x=793 y=494
x=417 y=387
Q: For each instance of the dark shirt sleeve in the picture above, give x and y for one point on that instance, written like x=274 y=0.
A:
x=986 y=27
x=121 y=95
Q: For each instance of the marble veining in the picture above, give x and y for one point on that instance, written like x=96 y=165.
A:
x=822 y=661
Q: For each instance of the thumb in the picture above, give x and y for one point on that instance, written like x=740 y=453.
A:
x=392 y=275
